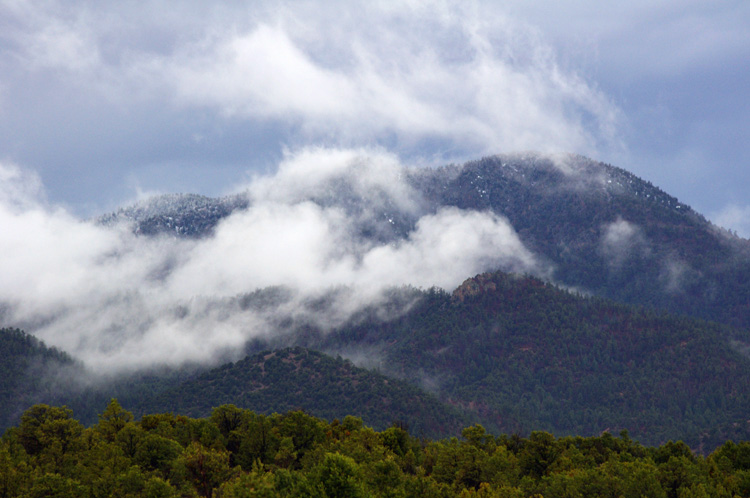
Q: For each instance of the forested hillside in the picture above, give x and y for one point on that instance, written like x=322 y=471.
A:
x=606 y=231
x=523 y=355
x=511 y=352
x=297 y=378
x=28 y=374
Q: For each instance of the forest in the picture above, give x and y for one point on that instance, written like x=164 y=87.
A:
x=240 y=453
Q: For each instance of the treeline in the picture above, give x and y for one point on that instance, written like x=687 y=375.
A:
x=239 y=453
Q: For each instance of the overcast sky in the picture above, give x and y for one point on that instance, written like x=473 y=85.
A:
x=108 y=101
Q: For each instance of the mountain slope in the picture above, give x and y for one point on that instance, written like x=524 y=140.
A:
x=606 y=231
x=523 y=355
x=182 y=215
x=595 y=227
x=294 y=378
x=27 y=371
x=510 y=352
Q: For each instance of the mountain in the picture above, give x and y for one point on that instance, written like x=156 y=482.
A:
x=628 y=346
x=182 y=215
x=297 y=378
x=593 y=226
x=607 y=232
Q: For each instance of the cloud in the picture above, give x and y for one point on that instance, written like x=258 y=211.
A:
x=622 y=239
x=19 y=189
x=736 y=217
x=473 y=79
x=91 y=91
x=120 y=301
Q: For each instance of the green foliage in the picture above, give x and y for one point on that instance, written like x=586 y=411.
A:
x=113 y=420
x=164 y=455
x=206 y=468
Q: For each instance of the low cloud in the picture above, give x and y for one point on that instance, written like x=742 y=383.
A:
x=120 y=301
x=622 y=240
x=675 y=275
x=735 y=217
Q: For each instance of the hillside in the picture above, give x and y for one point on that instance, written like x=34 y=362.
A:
x=513 y=353
x=181 y=215
x=605 y=231
x=27 y=366
x=297 y=378
x=522 y=355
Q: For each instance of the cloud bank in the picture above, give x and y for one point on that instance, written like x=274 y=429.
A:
x=120 y=301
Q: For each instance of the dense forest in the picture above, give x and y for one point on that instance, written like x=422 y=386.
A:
x=239 y=453
x=28 y=371
x=295 y=378
x=522 y=355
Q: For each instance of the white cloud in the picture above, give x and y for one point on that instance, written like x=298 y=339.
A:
x=622 y=239
x=120 y=301
x=447 y=247
x=470 y=77
x=261 y=74
x=346 y=74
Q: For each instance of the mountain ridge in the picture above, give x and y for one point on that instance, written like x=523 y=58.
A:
x=598 y=228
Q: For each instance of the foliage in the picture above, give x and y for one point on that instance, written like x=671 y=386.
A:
x=209 y=457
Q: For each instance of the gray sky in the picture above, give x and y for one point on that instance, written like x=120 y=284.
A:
x=108 y=101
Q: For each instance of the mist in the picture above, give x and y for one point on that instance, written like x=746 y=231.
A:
x=118 y=301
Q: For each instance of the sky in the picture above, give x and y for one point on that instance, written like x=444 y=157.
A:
x=107 y=102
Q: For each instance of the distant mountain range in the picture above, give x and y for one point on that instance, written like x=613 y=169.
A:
x=651 y=334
